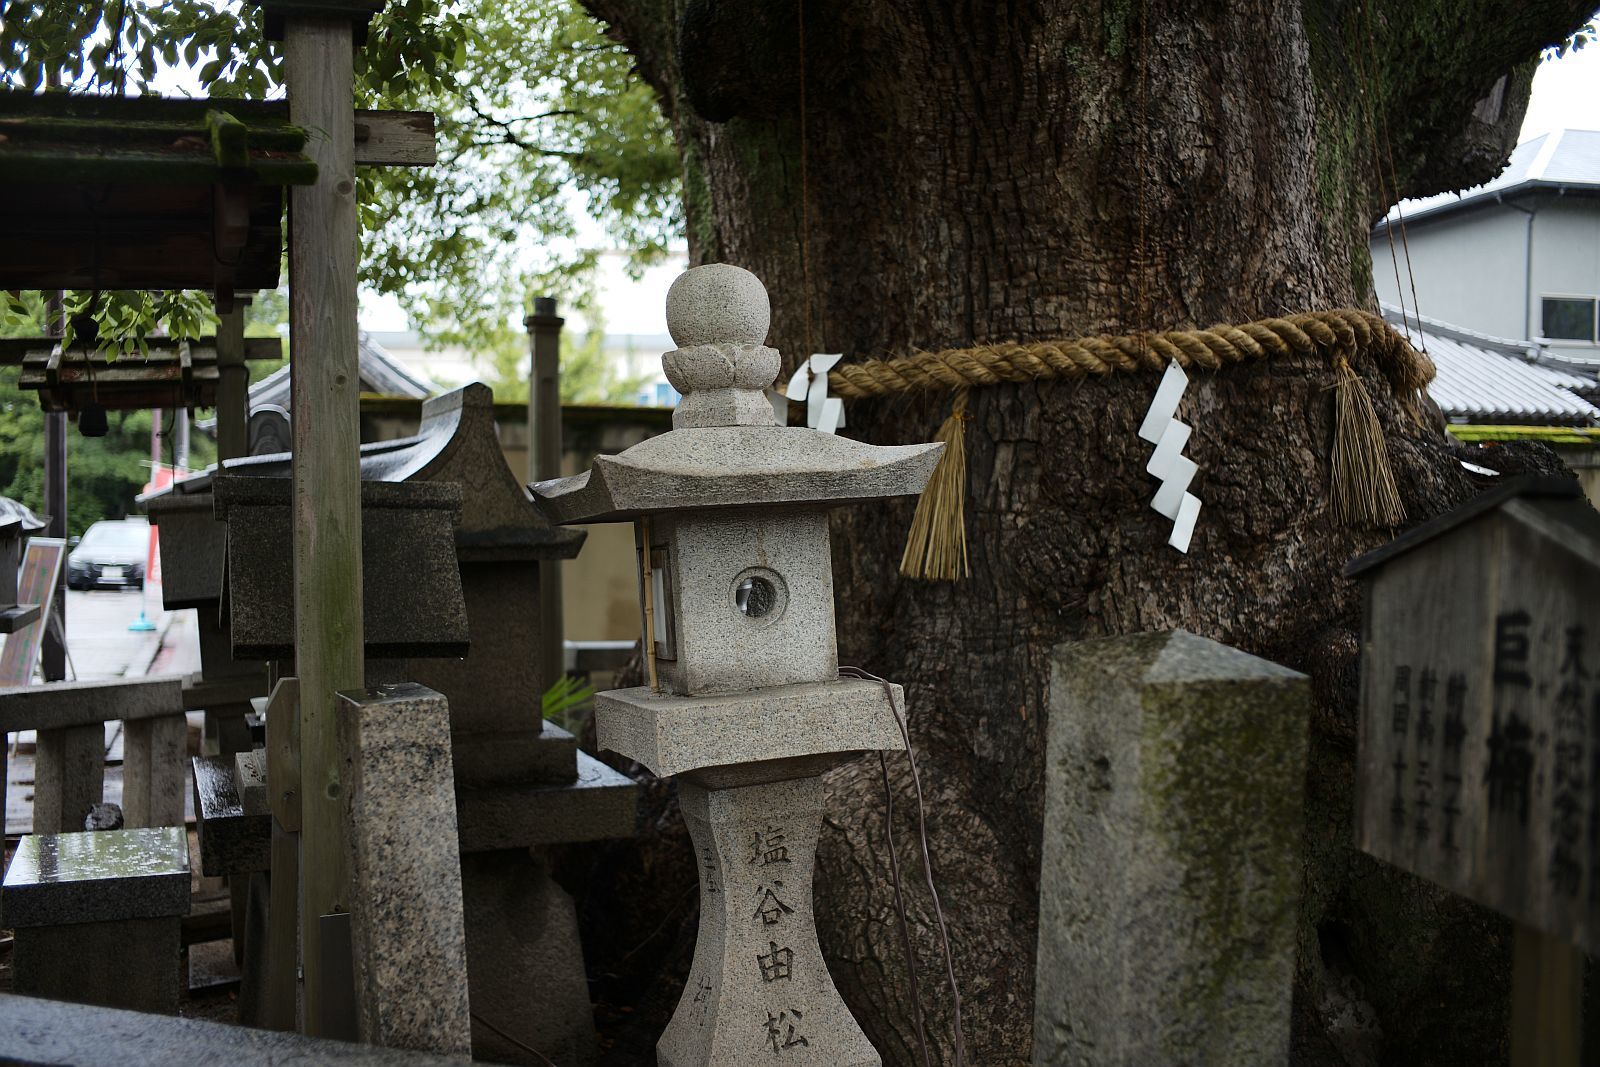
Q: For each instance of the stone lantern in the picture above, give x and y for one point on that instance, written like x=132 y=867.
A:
x=745 y=703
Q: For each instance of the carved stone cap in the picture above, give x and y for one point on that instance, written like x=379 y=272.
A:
x=718 y=315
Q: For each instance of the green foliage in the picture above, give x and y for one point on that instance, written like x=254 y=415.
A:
x=564 y=702
x=104 y=474
x=1587 y=35
x=539 y=116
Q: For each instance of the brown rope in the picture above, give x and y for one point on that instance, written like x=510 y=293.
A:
x=1343 y=333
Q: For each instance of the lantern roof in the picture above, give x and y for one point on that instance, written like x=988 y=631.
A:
x=726 y=449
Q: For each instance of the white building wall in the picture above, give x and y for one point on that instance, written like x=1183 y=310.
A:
x=1468 y=270
x=1566 y=258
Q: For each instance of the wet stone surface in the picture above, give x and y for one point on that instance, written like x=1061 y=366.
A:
x=97 y=877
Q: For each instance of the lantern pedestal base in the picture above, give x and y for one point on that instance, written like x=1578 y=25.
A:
x=759 y=991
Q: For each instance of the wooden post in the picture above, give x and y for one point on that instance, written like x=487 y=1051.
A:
x=1546 y=1000
x=233 y=385
x=544 y=462
x=283 y=795
x=326 y=475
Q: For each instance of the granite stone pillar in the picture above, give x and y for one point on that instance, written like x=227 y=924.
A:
x=1172 y=856
x=69 y=775
x=407 y=934
x=154 y=758
x=758 y=967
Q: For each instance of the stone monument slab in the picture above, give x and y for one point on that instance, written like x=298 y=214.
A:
x=1172 y=854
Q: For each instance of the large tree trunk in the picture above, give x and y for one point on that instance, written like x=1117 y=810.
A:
x=1025 y=171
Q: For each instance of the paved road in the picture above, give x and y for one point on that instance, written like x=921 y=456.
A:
x=99 y=643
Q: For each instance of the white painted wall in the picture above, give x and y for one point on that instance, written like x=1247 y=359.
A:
x=1469 y=266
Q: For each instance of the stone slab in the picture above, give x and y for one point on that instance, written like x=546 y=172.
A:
x=674 y=734
x=250 y=778
x=130 y=963
x=600 y=804
x=232 y=841
x=405 y=869
x=97 y=876
x=1171 y=864
x=736 y=467
x=50 y=1032
x=52 y=705
x=408 y=559
x=516 y=756
x=200 y=694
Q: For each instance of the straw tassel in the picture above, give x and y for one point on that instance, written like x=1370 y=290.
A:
x=1364 y=490
x=936 y=547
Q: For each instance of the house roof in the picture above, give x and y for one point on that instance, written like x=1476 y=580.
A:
x=1492 y=379
x=1565 y=160
x=380 y=372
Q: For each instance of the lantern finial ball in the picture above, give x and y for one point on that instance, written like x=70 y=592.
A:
x=718 y=303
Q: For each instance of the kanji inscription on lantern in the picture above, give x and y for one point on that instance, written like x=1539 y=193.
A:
x=781 y=1028
x=769 y=906
x=1480 y=728
x=776 y=964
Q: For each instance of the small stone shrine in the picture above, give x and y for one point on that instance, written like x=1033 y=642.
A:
x=521 y=783
x=745 y=704
x=1477 y=763
x=192 y=542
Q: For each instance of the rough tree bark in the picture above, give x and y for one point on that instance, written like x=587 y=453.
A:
x=1028 y=170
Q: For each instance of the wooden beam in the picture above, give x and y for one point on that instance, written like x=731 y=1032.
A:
x=326 y=486
x=395 y=139
x=233 y=385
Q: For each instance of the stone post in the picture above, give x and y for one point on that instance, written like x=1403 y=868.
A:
x=69 y=772
x=745 y=704
x=154 y=761
x=409 y=945
x=1171 y=867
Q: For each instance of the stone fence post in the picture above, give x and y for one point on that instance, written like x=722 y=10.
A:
x=1171 y=865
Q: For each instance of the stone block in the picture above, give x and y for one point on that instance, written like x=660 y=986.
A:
x=62 y=704
x=155 y=758
x=232 y=840
x=250 y=776
x=408 y=559
x=599 y=804
x=131 y=963
x=405 y=869
x=673 y=734
x=50 y=1032
x=192 y=549
x=69 y=771
x=783 y=637
x=524 y=963
x=96 y=876
x=1171 y=867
